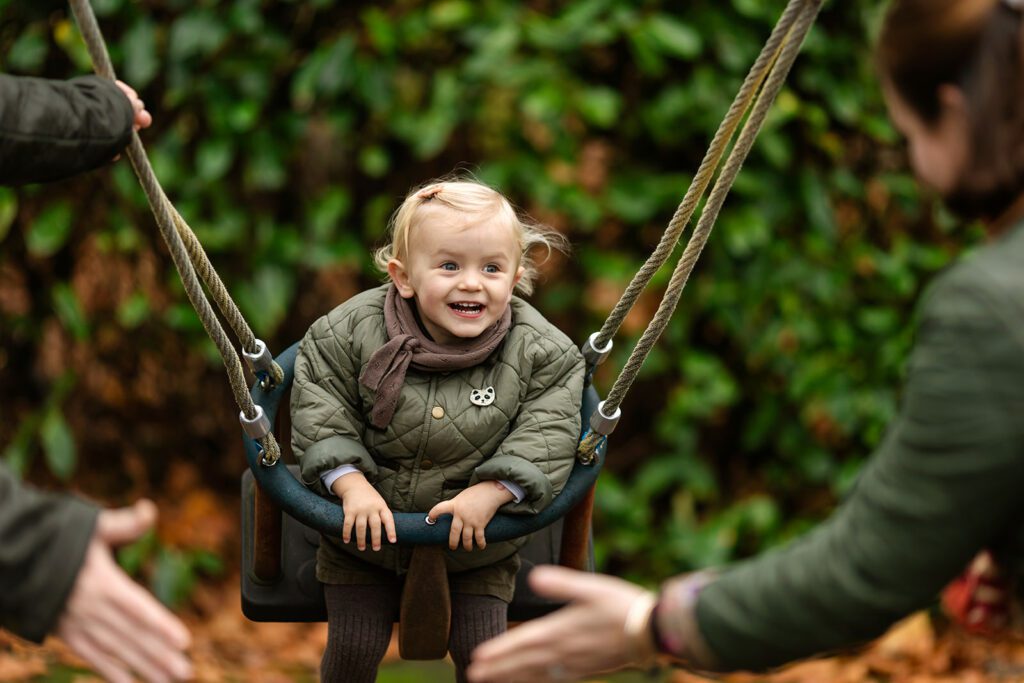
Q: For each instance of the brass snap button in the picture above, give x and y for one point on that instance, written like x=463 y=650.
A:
x=437 y=412
x=426 y=464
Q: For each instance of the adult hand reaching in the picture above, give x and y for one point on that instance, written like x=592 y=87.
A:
x=114 y=624
x=585 y=637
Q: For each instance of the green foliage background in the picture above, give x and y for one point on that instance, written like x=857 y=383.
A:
x=287 y=131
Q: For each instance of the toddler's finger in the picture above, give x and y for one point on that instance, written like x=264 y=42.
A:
x=481 y=540
x=467 y=537
x=375 y=531
x=361 y=523
x=389 y=525
x=456 y=533
x=442 y=508
x=346 y=528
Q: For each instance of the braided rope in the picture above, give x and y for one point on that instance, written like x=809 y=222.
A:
x=215 y=285
x=791 y=44
x=171 y=232
x=670 y=238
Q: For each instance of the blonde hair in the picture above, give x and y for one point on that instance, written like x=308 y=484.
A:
x=470 y=197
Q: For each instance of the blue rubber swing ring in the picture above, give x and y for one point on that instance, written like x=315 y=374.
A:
x=327 y=517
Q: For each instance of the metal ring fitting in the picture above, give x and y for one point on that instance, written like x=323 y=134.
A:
x=258 y=427
x=261 y=360
x=604 y=424
x=593 y=355
x=429 y=521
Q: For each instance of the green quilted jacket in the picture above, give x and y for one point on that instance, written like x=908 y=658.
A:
x=438 y=442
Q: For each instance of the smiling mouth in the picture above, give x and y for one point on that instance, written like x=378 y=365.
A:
x=466 y=310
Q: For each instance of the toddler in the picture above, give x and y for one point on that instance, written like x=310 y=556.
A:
x=438 y=392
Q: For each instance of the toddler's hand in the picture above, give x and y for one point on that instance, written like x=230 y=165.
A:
x=471 y=510
x=364 y=508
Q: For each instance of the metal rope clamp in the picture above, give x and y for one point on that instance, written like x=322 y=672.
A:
x=261 y=363
x=604 y=424
x=257 y=428
x=594 y=355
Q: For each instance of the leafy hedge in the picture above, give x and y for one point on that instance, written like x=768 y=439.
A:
x=286 y=132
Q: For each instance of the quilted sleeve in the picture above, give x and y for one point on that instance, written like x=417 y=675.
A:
x=539 y=452
x=327 y=424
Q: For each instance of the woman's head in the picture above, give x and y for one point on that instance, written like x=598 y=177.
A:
x=953 y=75
x=459 y=249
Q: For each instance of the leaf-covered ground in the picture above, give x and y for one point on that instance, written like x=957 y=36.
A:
x=228 y=647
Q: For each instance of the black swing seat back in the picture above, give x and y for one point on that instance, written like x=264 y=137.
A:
x=297 y=596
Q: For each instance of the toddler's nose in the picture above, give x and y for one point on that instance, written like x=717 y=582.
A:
x=470 y=282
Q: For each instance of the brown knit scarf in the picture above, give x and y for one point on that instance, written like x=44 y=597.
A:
x=409 y=345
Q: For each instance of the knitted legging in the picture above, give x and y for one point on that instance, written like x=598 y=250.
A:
x=359 y=621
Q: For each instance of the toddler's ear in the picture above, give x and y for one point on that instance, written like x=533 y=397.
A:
x=400 y=276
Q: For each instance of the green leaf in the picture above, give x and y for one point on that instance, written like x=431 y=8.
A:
x=266 y=298
x=374 y=161
x=29 y=50
x=133 y=311
x=50 y=229
x=131 y=557
x=69 y=311
x=58 y=445
x=8 y=210
x=675 y=37
x=214 y=157
x=141 y=63
x=600 y=106
x=198 y=33
x=173 y=578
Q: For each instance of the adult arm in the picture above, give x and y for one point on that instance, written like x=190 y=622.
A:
x=43 y=541
x=112 y=622
x=945 y=483
x=50 y=129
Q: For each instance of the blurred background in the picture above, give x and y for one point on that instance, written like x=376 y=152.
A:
x=286 y=133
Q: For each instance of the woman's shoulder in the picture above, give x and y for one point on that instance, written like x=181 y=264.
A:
x=987 y=283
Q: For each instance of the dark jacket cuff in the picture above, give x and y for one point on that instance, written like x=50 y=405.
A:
x=54 y=569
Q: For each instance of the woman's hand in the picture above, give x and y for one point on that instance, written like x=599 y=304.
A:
x=364 y=508
x=143 y=118
x=111 y=622
x=471 y=510
x=585 y=637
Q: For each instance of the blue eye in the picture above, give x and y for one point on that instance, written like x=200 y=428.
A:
x=491 y=268
x=448 y=265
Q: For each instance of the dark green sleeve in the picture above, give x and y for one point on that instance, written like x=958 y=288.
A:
x=43 y=538
x=947 y=481
x=54 y=129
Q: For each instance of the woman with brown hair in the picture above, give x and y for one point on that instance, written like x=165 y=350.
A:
x=946 y=482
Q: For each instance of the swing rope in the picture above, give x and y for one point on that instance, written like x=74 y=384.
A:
x=188 y=257
x=769 y=74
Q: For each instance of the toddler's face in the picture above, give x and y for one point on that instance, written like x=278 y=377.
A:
x=461 y=270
